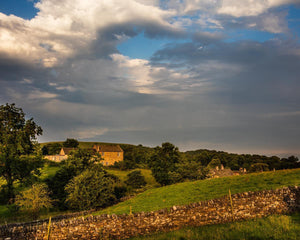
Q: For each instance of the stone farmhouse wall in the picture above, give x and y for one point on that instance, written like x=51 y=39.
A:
x=56 y=158
x=109 y=158
x=244 y=206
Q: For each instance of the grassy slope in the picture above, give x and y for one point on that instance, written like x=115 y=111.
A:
x=273 y=227
x=188 y=192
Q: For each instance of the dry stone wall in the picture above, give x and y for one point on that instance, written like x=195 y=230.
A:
x=244 y=206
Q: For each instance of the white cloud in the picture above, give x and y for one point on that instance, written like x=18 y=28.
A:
x=145 y=78
x=273 y=23
x=64 y=28
x=245 y=8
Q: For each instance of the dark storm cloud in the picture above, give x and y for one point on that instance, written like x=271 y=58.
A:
x=254 y=84
x=14 y=69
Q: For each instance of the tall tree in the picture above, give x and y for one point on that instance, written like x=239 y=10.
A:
x=17 y=146
x=163 y=163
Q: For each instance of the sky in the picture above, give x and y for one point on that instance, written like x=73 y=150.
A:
x=214 y=74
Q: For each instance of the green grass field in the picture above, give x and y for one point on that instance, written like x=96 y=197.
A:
x=273 y=227
x=188 y=192
x=145 y=172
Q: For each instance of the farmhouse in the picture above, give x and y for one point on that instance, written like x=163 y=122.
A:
x=65 y=151
x=110 y=153
x=63 y=154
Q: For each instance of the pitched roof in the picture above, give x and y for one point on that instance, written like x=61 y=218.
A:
x=67 y=150
x=109 y=148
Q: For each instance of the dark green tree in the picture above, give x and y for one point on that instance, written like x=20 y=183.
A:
x=71 y=143
x=214 y=163
x=18 y=156
x=51 y=149
x=93 y=188
x=290 y=162
x=191 y=170
x=135 y=179
x=259 y=167
x=78 y=161
x=163 y=163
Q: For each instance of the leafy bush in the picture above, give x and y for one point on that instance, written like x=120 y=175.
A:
x=135 y=179
x=93 y=188
x=214 y=163
x=34 y=199
x=259 y=167
x=78 y=161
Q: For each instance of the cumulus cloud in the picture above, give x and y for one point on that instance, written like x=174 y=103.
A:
x=63 y=29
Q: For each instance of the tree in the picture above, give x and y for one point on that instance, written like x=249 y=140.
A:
x=163 y=163
x=18 y=156
x=51 y=149
x=191 y=170
x=259 y=167
x=93 y=188
x=135 y=179
x=77 y=162
x=71 y=143
x=34 y=199
x=214 y=163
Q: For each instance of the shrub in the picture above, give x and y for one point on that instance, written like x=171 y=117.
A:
x=93 y=188
x=135 y=179
x=259 y=167
x=34 y=199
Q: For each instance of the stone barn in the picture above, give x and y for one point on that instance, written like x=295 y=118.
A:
x=110 y=153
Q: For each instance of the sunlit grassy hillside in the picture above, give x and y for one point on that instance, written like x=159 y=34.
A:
x=188 y=192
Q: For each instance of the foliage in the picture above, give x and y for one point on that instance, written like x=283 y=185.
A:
x=236 y=161
x=19 y=159
x=191 y=170
x=78 y=161
x=134 y=156
x=51 y=148
x=272 y=227
x=93 y=188
x=34 y=199
x=163 y=162
x=122 y=175
x=189 y=192
x=259 y=167
x=290 y=162
x=70 y=143
x=214 y=163
x=135 y=179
